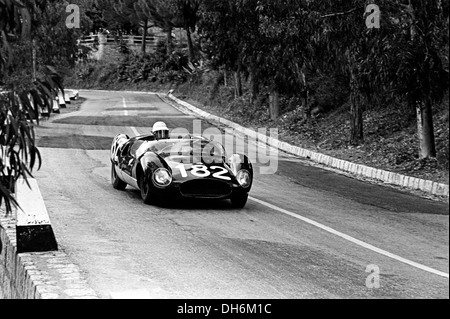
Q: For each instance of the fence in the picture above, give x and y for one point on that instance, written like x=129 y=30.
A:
x=131 y=40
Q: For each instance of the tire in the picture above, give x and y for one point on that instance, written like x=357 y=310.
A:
x=239 y=201
x=116 y=182
x=145 y=191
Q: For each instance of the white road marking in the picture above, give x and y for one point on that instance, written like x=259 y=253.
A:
x=125 y=106
x=126 y=113
x=135 y=131
x=351 y=239
x=342 y=235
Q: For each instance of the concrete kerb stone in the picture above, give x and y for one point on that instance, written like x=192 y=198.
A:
x=396 y=179
x=34 y=275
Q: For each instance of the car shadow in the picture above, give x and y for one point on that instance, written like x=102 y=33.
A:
x=180 y=203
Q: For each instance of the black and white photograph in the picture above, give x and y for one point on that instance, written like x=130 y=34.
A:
x=224 y=158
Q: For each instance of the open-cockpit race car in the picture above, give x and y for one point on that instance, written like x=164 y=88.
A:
x=191 y=167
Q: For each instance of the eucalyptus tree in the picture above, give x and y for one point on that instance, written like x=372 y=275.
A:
x=23 y=95
x=229 y=33
x=345 y=43
x=404 y=56
x=188 y=11
x=131 y=11
x=109 y=16
x=413 y=60
x=286 y=30
x=163 y=14
x=171 y=14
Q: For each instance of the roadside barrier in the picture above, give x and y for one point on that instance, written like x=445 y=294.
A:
x=34 y=229
x=61 y=100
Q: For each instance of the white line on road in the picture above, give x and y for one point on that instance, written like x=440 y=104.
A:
x=125 y=106
x=135 y=131
x=351 y=239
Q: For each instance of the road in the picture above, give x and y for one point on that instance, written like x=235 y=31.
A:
x=306 y=232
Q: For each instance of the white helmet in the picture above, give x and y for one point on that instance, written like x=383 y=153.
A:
x=160 y=130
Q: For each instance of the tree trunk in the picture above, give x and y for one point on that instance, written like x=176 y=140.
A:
x=169 y=40
x=304 y=96
x=190 y=44
x=301 y=78
x=238 y=82
x=274 y=104
x=34 y=59
x=425 y=129
x=254 y=83
x=306 y=106
x=144 y=37
x=356 y=114
x=225 y=78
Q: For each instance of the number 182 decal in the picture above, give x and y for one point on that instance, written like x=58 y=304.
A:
x=203 y=171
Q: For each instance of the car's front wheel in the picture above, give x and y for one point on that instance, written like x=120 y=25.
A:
x=239 y=200
x=116 y=182
x=145 y=191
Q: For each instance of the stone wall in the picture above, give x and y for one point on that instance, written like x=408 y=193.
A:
x=45 y=275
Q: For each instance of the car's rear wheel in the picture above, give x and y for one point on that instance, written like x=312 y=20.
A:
x=116 y=182
x=239 y=200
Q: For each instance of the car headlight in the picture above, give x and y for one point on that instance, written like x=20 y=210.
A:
x=244 y=179
x=162 y=177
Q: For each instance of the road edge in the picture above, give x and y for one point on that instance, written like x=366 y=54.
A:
x=36 y=275
x=357 y=170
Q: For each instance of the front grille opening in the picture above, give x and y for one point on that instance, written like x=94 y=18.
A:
x=205 y=188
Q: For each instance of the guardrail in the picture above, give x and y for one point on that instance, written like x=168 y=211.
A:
x=109 y=39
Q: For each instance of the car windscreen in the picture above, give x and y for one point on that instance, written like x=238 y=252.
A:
x=192 y=151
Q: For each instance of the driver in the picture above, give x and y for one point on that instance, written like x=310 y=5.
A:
x=160 y=131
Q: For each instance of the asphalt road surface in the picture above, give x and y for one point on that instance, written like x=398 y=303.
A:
x=306 y=232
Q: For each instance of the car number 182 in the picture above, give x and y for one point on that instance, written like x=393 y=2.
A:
x=203 y=171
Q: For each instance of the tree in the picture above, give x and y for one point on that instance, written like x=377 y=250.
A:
x=414 y=60
x=170 y=14
x=228 y=32
x=130 y=10
x=55 y=44
x=23 y=95
x=188 y=11
x=403 y=58
x=285 y=50
x=110 y=17
x=347 y=45
x=163 y=14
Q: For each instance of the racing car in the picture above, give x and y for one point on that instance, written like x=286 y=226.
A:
x=189 y=167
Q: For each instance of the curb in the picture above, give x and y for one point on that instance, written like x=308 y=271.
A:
x=31 y=267
x=33 y=226
x=44 y=275
x=409 y=182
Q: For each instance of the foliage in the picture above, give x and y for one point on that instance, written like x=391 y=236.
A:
x=322 y=48
x=162 y=67
x=35 y=45
x=224 y=31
